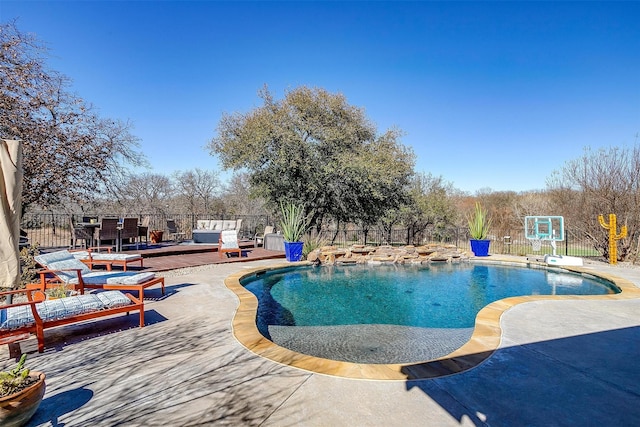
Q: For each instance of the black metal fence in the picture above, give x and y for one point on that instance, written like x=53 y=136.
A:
x=53 y=230
x=513 y=243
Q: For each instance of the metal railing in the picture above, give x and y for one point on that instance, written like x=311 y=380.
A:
x=514 y=243
x=53 y=230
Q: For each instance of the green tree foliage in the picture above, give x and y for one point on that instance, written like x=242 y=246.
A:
x=70 y=152
x=238 y=199
x=315 y=149
x=599 y=183
x=431 y=206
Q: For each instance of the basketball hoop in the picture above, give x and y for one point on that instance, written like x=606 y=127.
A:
x=536 y=244
x=543 y=228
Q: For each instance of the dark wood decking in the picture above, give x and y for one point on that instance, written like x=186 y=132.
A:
x=165 y=257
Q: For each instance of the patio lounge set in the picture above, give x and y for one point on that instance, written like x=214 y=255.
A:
x=64 y=270
x=92 y=294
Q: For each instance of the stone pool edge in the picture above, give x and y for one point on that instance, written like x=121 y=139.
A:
x=484 y=341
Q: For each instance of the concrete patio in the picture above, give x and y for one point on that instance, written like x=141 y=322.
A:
x=572 y=363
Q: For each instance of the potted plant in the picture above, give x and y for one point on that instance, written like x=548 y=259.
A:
x=479 y=224
x=21 y=392
x=293 y=225
x=57 y=292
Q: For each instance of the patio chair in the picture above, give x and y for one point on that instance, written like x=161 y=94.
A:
x=129 y=230
x=80 y=233
x=228 y=243
x=61 y=267
x=108 y=231
x=238 y=227
x=143 y=230
x=173 y=231
x=259 y=237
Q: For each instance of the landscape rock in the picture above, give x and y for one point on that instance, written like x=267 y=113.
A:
x=361 y=254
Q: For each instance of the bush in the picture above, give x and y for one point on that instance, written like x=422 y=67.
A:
x=28 y=265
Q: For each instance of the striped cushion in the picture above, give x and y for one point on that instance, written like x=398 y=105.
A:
x=16 y=317
x=106 y=257
x=131 y=279
x=63 y=260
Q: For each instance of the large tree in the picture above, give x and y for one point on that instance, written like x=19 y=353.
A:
x=197 y=189
x=239 y=200
x=314 y=148
x=70 y=152
x=601 y=182
x=431 y=207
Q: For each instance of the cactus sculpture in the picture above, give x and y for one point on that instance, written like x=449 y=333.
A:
x=613 y=237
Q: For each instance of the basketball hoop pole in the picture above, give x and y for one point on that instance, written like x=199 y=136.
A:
x=553 y=241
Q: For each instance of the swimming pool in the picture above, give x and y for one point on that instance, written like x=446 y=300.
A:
x=394 y=313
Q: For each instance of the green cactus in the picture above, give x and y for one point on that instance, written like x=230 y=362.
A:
x=613 y=237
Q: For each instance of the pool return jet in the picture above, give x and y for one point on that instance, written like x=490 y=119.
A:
x=550 y=229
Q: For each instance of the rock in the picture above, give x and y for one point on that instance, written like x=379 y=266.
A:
x=385 y=254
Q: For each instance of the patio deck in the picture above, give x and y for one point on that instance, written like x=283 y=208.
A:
x=167 y=256
x=560 y=363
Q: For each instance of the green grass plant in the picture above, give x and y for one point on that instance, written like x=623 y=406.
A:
x=479 y=223
x=294 y=222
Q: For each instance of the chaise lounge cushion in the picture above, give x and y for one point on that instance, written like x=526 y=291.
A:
x=48 y=310
x=64 y=260
x=97 y=256
x=130 y=280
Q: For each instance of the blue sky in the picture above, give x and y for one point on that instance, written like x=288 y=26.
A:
x=489 y=94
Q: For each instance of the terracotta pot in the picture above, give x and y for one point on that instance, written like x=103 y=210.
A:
x=156 y=236
x=18 y=408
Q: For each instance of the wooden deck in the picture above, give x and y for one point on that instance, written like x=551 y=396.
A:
x=167 y=256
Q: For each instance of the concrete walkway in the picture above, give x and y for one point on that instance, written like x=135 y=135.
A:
x=560 y=363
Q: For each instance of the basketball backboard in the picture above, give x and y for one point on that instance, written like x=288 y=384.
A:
x=544 y=228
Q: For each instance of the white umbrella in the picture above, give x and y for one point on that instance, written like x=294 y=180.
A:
x=11 y=201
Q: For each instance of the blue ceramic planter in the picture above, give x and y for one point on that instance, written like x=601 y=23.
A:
x=293 y=250
x=480 y=247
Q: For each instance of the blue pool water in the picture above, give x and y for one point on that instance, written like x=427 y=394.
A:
x=306 y=308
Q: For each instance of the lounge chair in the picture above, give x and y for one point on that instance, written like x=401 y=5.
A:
x=33 y=316
x=228 y=243
x=91 y=258
x=67 y=269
